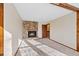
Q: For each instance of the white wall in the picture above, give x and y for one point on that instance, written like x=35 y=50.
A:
x=13 y=29
x=63 y=30
x=39 y=34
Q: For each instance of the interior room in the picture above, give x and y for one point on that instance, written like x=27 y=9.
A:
x=41 y=29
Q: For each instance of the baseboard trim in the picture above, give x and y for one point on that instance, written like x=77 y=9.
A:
x=17 y=49
x=16 y=52
x=60 y=44
x=64 y=45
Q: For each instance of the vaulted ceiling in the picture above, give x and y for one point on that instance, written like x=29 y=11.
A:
x=75 y=4
x=40 y=11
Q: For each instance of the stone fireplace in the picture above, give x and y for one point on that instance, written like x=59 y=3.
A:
x=30 y=29
x=32 y=34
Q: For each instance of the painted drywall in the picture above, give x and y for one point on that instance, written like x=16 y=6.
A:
x=13 y=29
x=63 y=30
x=39 y=34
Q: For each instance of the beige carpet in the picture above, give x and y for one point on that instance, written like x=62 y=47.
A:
x=44 y=47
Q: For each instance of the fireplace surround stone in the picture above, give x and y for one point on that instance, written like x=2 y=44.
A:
x=29 y=26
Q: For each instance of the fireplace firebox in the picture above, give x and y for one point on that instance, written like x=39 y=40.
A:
x=31 y=33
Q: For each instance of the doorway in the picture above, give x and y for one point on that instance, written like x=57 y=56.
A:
x=46 y=31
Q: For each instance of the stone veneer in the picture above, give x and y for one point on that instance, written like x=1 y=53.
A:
x=29 y=26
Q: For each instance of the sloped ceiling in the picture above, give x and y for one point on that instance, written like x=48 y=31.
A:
x=75 y=4
x=40 y=11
